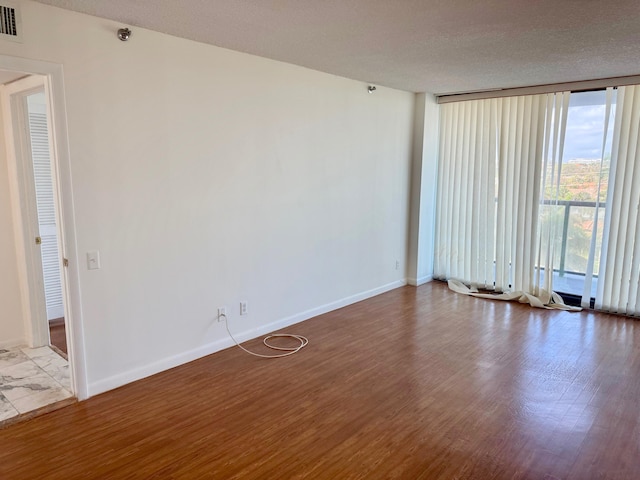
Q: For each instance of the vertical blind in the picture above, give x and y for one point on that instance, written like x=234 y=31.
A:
x=589 y=271
x=465 y=246
x=619 y=276
x=500 y=165
x=496 y=158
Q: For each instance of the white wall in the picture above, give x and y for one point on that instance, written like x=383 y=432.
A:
x=424 y=176
x=205 y=177
x=12 y=331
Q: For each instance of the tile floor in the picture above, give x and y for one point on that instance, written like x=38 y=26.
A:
x=31 y=378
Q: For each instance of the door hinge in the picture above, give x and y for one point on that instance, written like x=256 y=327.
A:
x=65 y=262
x=38 y=240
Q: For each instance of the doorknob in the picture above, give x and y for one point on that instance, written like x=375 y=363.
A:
x=38 y=240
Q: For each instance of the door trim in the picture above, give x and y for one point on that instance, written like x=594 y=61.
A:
x=25 y=214
x=61 y=173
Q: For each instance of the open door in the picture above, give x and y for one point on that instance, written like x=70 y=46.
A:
x=28 y=131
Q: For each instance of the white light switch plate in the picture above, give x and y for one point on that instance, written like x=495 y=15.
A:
x=93 y=260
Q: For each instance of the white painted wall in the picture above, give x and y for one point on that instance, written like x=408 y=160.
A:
x=205 y=177
x=424 y=175
x=12 y=326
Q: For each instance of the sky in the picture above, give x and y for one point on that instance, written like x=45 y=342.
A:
x=585 y=126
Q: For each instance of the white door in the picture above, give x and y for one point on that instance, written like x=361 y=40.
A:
x=25 y=108
x=45 y=205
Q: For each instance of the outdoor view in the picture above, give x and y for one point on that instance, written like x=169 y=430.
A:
x=573 y=216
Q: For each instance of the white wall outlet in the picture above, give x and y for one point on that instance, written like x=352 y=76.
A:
x=244 y=308
x=397 y=264
x=93 y=260
x=222 y=314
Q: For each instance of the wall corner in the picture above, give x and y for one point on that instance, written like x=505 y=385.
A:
x=424 y=170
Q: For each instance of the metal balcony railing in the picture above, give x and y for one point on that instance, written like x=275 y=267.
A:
x=567 y=204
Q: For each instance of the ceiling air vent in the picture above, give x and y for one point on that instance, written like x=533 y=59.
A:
x=10 y=24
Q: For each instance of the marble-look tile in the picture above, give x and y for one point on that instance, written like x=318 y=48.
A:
x=38 y=352
x=12 y=357
x=62 y=375
x=31 y=378
x=52 y=361
x=19 y=371
x=40 y=399
x=6 y=409
x=28 y=386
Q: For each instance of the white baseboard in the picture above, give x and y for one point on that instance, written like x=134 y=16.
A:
x=416 y=282
x=16 y=342
x=129 y=376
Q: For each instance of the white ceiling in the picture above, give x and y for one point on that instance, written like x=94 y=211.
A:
x=437 y=46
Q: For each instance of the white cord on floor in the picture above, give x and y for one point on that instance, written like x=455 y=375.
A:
x=290 y=350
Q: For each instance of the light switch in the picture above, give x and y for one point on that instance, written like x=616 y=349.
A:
x=93 y=260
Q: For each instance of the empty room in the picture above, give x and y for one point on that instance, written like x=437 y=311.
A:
x=333 y=240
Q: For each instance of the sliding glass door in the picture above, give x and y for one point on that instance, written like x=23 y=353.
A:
x=584 y=178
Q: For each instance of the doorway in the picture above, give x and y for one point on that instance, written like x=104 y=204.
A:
x=37 y=370
x=36 y=219
x=74 y=331
x=37 y=131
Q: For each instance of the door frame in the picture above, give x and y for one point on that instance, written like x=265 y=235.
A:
x=53 y=77
x=23 y=200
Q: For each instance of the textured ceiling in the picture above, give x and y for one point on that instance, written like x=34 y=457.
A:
x=437 y=46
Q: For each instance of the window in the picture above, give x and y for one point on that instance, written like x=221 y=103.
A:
x=584 y=174
x=542 y=192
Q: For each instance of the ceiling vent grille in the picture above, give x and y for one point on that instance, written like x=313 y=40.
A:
x=10 y=24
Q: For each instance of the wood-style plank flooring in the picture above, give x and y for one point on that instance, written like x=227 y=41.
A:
x=57 y=335
x=418 y=383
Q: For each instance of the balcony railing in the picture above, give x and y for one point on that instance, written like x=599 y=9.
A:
x=568 y=204
x=574 y=244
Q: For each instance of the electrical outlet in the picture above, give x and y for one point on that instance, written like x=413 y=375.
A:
x=397 y=264
x=244 y=308
x=222 y=314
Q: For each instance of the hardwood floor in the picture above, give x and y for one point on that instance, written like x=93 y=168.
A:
x=418 y=383
x=57 y=335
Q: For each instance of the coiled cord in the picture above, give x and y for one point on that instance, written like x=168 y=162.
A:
x=290 y=350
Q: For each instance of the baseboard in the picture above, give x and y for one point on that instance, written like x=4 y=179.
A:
x=314 y=312
x=139 y=373
x=16 y=342
x=416 y=282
